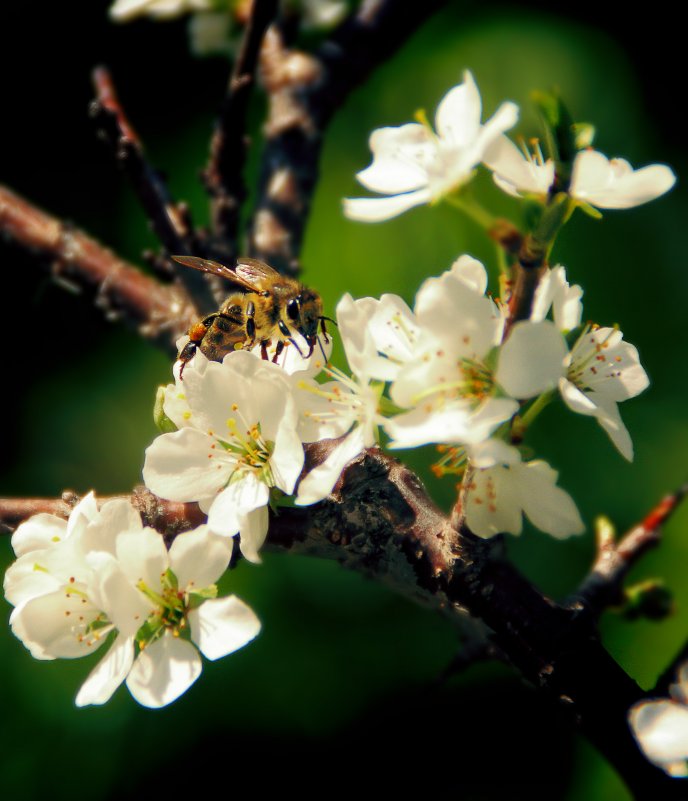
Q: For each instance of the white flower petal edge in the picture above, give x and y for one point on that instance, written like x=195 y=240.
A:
x=413 y=165
x=614 y=184
x=319 y=482
x=108 y=674
x=503 y=488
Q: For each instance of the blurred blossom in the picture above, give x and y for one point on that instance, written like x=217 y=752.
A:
x=413 y=164
x=660 y=727
x=614 y=184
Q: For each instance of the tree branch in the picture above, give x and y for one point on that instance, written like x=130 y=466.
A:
x=304 y=92
x=223 y=176
x=157 y=312
x=603 y=586
x=380 y=521
x=169 y=220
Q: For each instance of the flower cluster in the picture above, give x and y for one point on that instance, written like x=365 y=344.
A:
x=456 y=371
x=442 y=373
x=414 y=164
x=102 y=573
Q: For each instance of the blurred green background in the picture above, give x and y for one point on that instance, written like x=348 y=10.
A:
x=339 y=693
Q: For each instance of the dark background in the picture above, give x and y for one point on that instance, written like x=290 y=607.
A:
x=339 y=694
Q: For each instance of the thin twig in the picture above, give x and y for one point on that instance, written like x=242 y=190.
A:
x=223 y=176
x=169 y=220
x=603 y=586
x=157 y=312
x=304 y=92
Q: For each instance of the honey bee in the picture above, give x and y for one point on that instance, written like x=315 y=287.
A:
x=265 y=307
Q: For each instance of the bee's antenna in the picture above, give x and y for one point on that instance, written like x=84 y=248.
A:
x=329 y=320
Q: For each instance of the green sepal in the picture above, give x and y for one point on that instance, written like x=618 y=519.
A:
x=591 y=211
x=560 y=133
x=197 y=597
x=532 y=213
x=171 y=579
x=149 y=630
x=388 y=408
x=161 y=420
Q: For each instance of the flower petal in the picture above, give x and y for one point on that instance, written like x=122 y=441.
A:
x=198 y=558
x=54 y=625
x=108 y=674
x=163 y=671
x=451 y=422
x=240 y=497
x=184 y=466
x=400 y=159
x=614 y=184
x=223 y=625
x=492 y=503
x=38 y=532
x=377 y=209
x=458 y=115
x=513 y=173
x=253 y=529
x=554 y=290
x=319 y=482
x=547 y=506
x=142 y=556
x=532 y=359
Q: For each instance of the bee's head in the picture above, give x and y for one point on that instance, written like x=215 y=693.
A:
x=303 y=312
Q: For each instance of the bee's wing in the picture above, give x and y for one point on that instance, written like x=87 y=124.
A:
x=214 y=267
x=257 y=273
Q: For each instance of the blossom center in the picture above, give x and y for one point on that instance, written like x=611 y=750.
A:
x=589 y=360
x=252 y=451
x=474 y=383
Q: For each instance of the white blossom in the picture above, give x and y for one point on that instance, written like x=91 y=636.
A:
x=347 y=405
x=554 y=293
x=602 y=371
x=502 y=488
x=452 y=389
x=102 y=573
x=236 y=441
x=614 y=184
x=413 y=165
x=660 y=727
x=519 y=172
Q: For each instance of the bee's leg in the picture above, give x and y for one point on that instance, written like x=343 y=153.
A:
x=279 y=347
x=323 y=328
x=264 y=349
x=251 y=323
